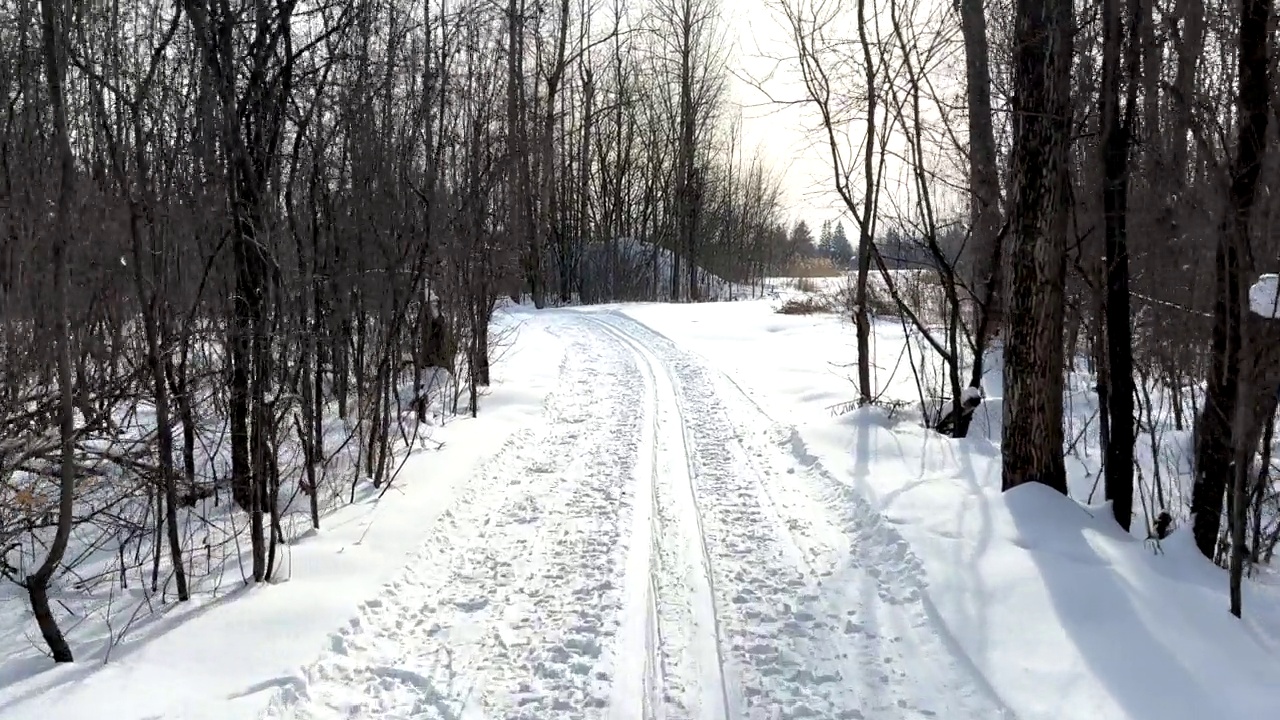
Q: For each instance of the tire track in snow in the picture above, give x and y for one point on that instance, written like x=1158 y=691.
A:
x=827 y=616
x=766 y=589
x=511 y=606
x=877 y=543
x=688 y=623
x=638 y=680
x=762 y=583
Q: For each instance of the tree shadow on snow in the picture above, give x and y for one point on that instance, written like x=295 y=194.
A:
x=1094 y=605
x=95 y=654
x=965 y=559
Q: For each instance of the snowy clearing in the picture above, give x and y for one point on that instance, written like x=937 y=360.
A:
x=1045 y=596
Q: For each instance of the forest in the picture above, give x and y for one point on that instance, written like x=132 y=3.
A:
x=226 y=224
x=250 y=249
x=1084 y=184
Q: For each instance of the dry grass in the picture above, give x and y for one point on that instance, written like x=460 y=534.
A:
x=805 y=285
x=879 y=302
x=805 y=306
x=813 y=268
x=920 y=291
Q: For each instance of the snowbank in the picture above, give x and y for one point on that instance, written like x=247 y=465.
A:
x=1264 y=296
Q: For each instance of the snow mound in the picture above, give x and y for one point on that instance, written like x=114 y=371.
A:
x=630 y=269
x=1264 y=296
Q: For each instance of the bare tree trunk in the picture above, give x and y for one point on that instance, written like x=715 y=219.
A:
x=1218 y=451
x=1253 y=106
x=1032 y=433
x=866 y=224
x=549 y=220
x=521 y=225
x=1115 y=197
x=55 y=34
x=984 y=187
x=684 y=158
x=1261 y=484
x=179 y=390
x=807 y=40
x=250 y=130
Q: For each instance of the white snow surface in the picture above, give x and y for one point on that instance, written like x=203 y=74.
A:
x=1264 y=296
x=658 y=514
x=1064 y=615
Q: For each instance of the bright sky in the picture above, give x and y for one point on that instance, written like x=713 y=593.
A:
x=784 y=136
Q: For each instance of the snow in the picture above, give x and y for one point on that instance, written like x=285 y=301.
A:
x=671 y=511
x=1264 y=296
x=1043 y=596
x=225 y=655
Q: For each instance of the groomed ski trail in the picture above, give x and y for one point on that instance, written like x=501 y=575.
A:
x=819 y=603
x=685 y=602
x=657 y=549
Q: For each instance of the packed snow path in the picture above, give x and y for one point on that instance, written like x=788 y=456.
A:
x=658 y=548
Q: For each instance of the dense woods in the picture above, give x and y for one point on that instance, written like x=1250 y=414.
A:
x=251 y=248
x=1086 y=189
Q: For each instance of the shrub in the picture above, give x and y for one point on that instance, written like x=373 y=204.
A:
x=804 y=306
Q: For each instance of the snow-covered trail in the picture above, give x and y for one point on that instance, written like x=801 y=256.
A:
x=658 y=548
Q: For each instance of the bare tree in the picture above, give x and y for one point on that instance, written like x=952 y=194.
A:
x=1220 y=447
x=1033 y=348
x=810 y=25
x=1116 y=398
x=54 y=25
x=984 y=186
x=1254 y=110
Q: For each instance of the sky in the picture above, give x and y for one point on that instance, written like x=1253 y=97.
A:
x=785 y=136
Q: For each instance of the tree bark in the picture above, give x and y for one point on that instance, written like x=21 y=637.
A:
x=1033 y=353
x=866 y=224
x=1220 y=429
x=1253 y=107
x=55 y=34
x=984 y=187
x=524 y=236
x=1117 y=123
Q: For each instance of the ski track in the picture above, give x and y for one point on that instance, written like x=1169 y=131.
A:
x=690 y=646
x=819 y=602
x=658 y=549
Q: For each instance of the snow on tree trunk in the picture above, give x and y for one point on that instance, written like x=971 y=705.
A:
x=1264 y=296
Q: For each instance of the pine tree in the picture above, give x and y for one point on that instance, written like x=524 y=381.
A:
x=824 y=240
x=841 y=252
x=801 y=240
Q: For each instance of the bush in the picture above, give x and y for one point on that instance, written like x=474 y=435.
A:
x=805 y=285
x=812 y=267
x=804 y=306
x=879 y=303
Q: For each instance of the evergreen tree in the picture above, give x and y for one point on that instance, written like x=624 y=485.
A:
x=801 y=241
x=824 y=240
x=841 y=252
